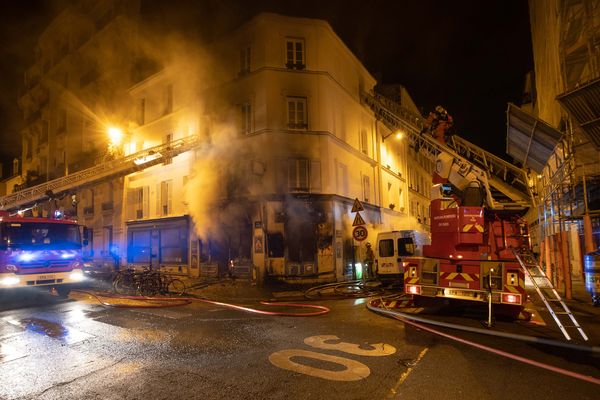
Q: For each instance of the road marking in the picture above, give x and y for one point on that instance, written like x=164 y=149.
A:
x=354 y=370
x=405 y=374
x=319 y=342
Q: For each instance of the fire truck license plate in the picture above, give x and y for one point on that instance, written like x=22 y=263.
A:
x=459 y=293
x=45 y=277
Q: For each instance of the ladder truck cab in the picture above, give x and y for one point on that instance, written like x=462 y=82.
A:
x=473 y=240
x=392 y=246
x=40 y=252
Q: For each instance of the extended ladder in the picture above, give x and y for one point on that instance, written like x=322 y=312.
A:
x=108 y=170
x=502 y=176
x=544 y=288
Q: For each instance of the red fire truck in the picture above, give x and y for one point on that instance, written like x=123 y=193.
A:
x=473 y=239
x=40 y=252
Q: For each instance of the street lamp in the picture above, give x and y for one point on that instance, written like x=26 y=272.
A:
x=115 y=135
x=399 y=134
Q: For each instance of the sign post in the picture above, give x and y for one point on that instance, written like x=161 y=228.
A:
x=359 y=233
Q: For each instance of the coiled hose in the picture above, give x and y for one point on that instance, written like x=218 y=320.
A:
x=164 y=302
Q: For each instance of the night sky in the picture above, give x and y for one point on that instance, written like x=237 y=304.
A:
x=469 y=56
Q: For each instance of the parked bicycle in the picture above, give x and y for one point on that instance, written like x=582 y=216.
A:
x=147 y=282
x=133 y=282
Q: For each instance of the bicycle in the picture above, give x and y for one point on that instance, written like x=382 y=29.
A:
x=132 y=282
x=171 y=285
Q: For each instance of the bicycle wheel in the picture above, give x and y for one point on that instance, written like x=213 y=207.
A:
x=176 y=286
x=121 y=284
x=150 y=285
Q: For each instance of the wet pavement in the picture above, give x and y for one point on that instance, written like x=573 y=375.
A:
x=75 y=348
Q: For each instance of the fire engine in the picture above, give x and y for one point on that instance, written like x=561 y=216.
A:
x=40 y=252
x=473 y=238
x=477 y=206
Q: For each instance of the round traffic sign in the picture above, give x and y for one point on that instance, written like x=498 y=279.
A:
x=360 y=233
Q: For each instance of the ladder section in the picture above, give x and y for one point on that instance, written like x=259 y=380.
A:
x=508 y=178
x=107 y=170
x=394 y=116
x=559 y=311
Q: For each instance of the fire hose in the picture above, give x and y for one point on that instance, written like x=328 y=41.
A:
x=164 y=302
x=419 y=323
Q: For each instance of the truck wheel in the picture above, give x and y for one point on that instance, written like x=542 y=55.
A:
x=63 y=291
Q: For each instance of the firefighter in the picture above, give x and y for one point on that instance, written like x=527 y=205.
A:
x=369 y=261
x=438 y=124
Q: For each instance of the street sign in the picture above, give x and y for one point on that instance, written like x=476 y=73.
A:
x=358 y=220
x=357 y=206
x=360 y=233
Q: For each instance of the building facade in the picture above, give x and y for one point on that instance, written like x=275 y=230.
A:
x=285 y=146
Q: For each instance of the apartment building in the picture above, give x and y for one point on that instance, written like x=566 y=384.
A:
x=84 y=62
x=285 y=146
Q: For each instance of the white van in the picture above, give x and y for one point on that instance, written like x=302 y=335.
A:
x=393 y=246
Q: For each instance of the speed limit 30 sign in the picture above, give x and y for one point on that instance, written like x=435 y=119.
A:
x=360 y=233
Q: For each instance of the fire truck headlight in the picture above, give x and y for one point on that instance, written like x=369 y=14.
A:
x=77 y=276
x=9 y=281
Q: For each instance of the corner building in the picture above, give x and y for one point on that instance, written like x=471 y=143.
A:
x=284 y=148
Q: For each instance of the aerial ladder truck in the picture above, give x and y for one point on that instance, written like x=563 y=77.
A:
x=480 y=247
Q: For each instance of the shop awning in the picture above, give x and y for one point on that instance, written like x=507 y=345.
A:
x=529 y=140
x=583 y=104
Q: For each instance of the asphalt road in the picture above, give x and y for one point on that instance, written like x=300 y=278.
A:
x=52 y=348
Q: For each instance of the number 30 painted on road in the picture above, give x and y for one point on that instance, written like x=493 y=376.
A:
x=354 y=370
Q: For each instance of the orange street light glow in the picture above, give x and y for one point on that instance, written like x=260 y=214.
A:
x=115 y=135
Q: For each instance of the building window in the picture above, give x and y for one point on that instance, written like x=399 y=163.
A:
x=107 y=241
x=61 y=124
x=246 y=118
x=138 y=202
x=142 y=112
x=297 y=114
x=165 y=198
x=304 y=175
x=366 y=183
x=168 y=100
x=294 y=53
x=28 y=148
x=364 y=141
x=245 y=60
x=45 y=132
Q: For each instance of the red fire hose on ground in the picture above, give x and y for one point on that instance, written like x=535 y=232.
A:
x=422 y=324
x=164 y=302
